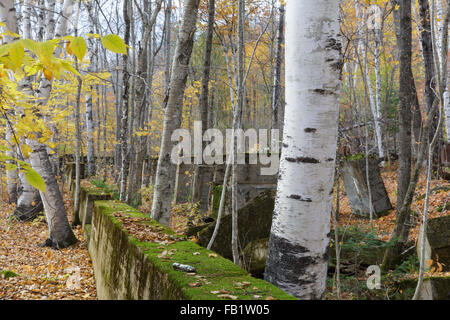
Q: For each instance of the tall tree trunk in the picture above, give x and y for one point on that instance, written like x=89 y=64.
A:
x=28 y=199
x=173 y=101
x=167 y=40
x=362 y=49
x=61 y=234
x=401 y=230
x=199 y=170
x=415 y=107
x=237 y=124
x=143 y=86
x=378 y=34
x=297 y=259
x=125 y=107
x=50 y=21
x=8 y=17
x=276 y=91
x=90 y=151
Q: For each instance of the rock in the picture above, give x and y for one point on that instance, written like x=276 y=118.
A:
x=358 y=250
x=254 y=221
x=255 y=256
x=435 y=288
x=193 y=230
x=437 y=243
x=354 y=177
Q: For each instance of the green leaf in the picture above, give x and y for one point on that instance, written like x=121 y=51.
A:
x=4 y=49
x=16 y=53
x=78 y=46
x=114 y=43
x=30 y=45
x=34 y=179
x=67 y=66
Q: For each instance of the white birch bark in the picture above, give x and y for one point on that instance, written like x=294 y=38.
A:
x=374 y=106
x=164 y=183
x=8 y=17
x=167 y=40
x=61 y=234
x=29 y=203
x=444 y=65
x=297 y=258
x=50 y=19
x=377 y=116
x=88 y=111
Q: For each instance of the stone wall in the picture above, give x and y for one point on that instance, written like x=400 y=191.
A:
x=128 y=268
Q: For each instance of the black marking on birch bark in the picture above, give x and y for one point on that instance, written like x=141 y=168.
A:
x=334 y=44
x=299 y=198
x=324 y=91
x=285 y=145
x=302 y=160
x=337 y=65
x=330 y=159
x=286 y=261
x=310 y=130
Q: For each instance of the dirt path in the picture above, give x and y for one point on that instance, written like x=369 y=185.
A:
x=42 y=273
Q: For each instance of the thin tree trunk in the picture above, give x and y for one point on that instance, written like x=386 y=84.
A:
x=401 y=229
x=276 y=92
x=125 y=107
x=8 y=17
x=164 y=184
x=91 y=169
x=199 y=170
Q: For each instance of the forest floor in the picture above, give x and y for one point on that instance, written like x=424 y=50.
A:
x=439 y=205
x=43 y=273
x=39 y=273
x=354 y=286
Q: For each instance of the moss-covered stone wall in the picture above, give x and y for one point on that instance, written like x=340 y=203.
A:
x=127 y=268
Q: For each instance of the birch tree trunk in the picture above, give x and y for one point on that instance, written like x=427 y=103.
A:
x=173 y=101
x=276 y=94
x=378 y=34
x=27 y=197
x=8 y=17
x=237 y=124
x=297 y=259
x=374 y=106
x=50 y=21
x=199 y=170
x=90 y=151
x=167 y=39
x=61 y=234
x=125 y=107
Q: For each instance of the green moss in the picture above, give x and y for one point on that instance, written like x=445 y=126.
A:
x=87 y=231
x=358 y=156
x=217 y=194
x=5 y=274
x=106 y=188
x=216 y=272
